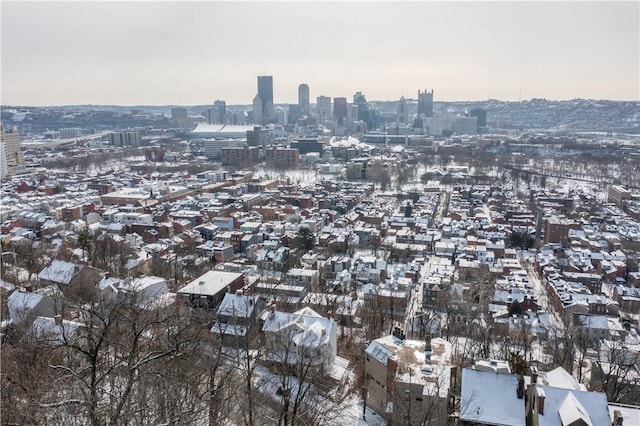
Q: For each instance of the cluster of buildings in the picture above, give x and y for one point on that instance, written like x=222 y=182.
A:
x=442 y=282
x=411 y=261
x=11 y=155
x=338 y=116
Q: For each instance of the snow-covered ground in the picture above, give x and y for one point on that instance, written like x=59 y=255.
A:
x=352 y=415
x=337 y=409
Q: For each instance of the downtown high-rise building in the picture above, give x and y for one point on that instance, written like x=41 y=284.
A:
x=323 y=108
x=340 y=110
x=425 y=103
x=303 y=98
x=222 y=107
x=402 y=111
x=481 y=114
x=11 y=156
x=217 y=113
x=265 y=92
x=257 y=110
x=178 y=113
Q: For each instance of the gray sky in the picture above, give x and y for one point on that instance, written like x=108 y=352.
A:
x=127 y=53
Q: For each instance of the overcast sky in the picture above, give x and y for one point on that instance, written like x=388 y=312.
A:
x=128 y=53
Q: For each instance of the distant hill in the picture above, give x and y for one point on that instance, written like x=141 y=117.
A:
x=570 y=115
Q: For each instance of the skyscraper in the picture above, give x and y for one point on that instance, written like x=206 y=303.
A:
x=363 y=109
x=340 y=110
x=303 y=98
x=482 y=116
x=402 y=112
x=11 y=155
x=295 y=113
x=257 y=110
x=213 y=116
x=265 y=91
x=222 y=107
x=323 y=108
x=425 y=103
x=217 y=114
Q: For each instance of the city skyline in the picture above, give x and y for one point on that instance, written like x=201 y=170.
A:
x=135 y=53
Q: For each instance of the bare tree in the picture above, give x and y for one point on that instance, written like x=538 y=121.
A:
x=615 y=372
x=111 y=254
x=300 y=371
x=31 y=257
x=561 y=349
x=121 y=362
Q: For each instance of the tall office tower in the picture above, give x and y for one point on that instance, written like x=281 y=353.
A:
x=222 y=108
x=352 y=113
x=425 y=103
x=213 y=116
x=323 y=108
x=340 y=110
x=217 y=114
x=178 y=113
x=481 y=114
x=11 y=155
x=265 y=92
x=257 y=110
x=363 y=111
x=295 y=113
x=402 y=112
x=303 y=98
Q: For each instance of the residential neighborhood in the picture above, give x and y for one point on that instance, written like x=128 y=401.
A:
x=448 y=290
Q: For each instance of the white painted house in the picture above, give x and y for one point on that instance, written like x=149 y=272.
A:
x=303 y=336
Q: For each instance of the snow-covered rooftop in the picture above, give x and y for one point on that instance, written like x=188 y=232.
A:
x=59 y=272
x=490 y=398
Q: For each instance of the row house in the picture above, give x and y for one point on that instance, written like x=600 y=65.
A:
x=595 y=328
x=71 y=213
x=592 y=281
x=307 y=278
x=628 y=298
x=283 y=295
x=390 y=296
x=215 y=251
x=575 y=298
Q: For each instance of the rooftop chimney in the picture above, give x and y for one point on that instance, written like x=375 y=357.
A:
x=540 y=400
x=534 y=374
x=58 y=319
x=617 y=418
x=398 y=333
x=520 y=390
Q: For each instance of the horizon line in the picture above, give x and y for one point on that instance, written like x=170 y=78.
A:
x=311 y=103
